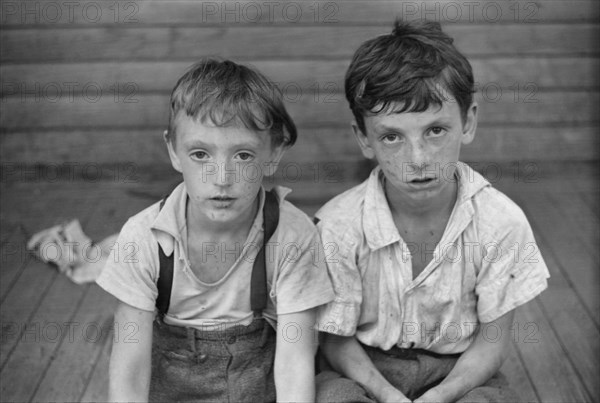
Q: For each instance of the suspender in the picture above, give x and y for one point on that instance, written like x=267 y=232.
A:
x=165 y=276
x=258 y=284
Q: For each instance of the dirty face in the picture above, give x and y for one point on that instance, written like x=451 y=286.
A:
x=222 y=168
x=418 y=151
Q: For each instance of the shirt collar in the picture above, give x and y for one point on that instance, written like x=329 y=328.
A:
x=470 y=182
x=170 y=224
x=378 y=222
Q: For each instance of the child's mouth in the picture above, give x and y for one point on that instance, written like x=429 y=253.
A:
x=422 y=181
x=222 y=198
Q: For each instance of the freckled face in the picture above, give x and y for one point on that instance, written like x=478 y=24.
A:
x=222 y=167
x=418 y=151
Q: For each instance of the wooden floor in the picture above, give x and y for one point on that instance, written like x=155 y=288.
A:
x=56 y=335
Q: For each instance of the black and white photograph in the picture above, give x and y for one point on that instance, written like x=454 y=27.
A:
x=299 y=201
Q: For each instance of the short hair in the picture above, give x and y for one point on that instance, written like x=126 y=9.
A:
x=229 y=94
x=415 y=66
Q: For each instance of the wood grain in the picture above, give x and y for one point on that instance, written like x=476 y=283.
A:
x=553 y=376
x=124 y=153
x=149 y=110
x=311 y=77
x=27 y=13
x=335 y=42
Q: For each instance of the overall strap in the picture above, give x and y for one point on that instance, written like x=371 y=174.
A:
x=258 y=283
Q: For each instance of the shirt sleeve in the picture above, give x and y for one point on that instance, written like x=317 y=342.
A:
x=130 y=272
x=341 y=316
x=302 y=281
x=513 y=271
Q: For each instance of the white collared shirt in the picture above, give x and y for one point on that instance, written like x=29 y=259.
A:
x=296 y=274
x=486 y=264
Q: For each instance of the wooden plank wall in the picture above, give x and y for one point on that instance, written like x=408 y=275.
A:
x=87 y=82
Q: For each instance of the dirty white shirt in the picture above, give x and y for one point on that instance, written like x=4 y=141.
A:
x=486 y=264
x=296 y=274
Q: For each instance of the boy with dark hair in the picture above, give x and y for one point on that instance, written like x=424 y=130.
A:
x=432 y=260
x=201 y=258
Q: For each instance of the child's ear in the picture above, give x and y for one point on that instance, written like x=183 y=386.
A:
x=172 y=155
x=363 y=141
x=276 y=155
x=470 y=125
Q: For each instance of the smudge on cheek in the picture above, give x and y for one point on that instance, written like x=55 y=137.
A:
x=392 y=169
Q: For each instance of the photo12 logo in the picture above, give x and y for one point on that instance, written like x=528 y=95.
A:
x=252 y=12
x=52 y=92
x=68 y=332
x=68 y=12
x=471 y=11
x=11 y=172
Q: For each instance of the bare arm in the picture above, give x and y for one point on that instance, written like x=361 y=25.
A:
x=295 y=357
x=477 y=364
x=347 y=356
x=130 y=361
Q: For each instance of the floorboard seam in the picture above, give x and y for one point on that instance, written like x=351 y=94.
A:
x=58 y=345
x=29 y=318
x=568 y=280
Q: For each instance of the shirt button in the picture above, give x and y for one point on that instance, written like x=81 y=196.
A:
x=231 y=340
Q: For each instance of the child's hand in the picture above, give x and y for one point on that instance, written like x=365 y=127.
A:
x=394 y=395
x=432 y=395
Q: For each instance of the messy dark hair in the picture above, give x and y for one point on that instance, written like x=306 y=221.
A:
x=225 y=93
x=408 y=70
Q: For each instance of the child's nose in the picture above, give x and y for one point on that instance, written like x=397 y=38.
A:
x=418 y=155
x=227 y=174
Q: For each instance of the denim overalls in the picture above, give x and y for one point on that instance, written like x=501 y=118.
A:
x=233 y=365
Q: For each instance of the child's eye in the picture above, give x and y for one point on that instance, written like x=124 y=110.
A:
x=199 y=155
x=244 y=156
x=437 y=131
x=390 y=138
